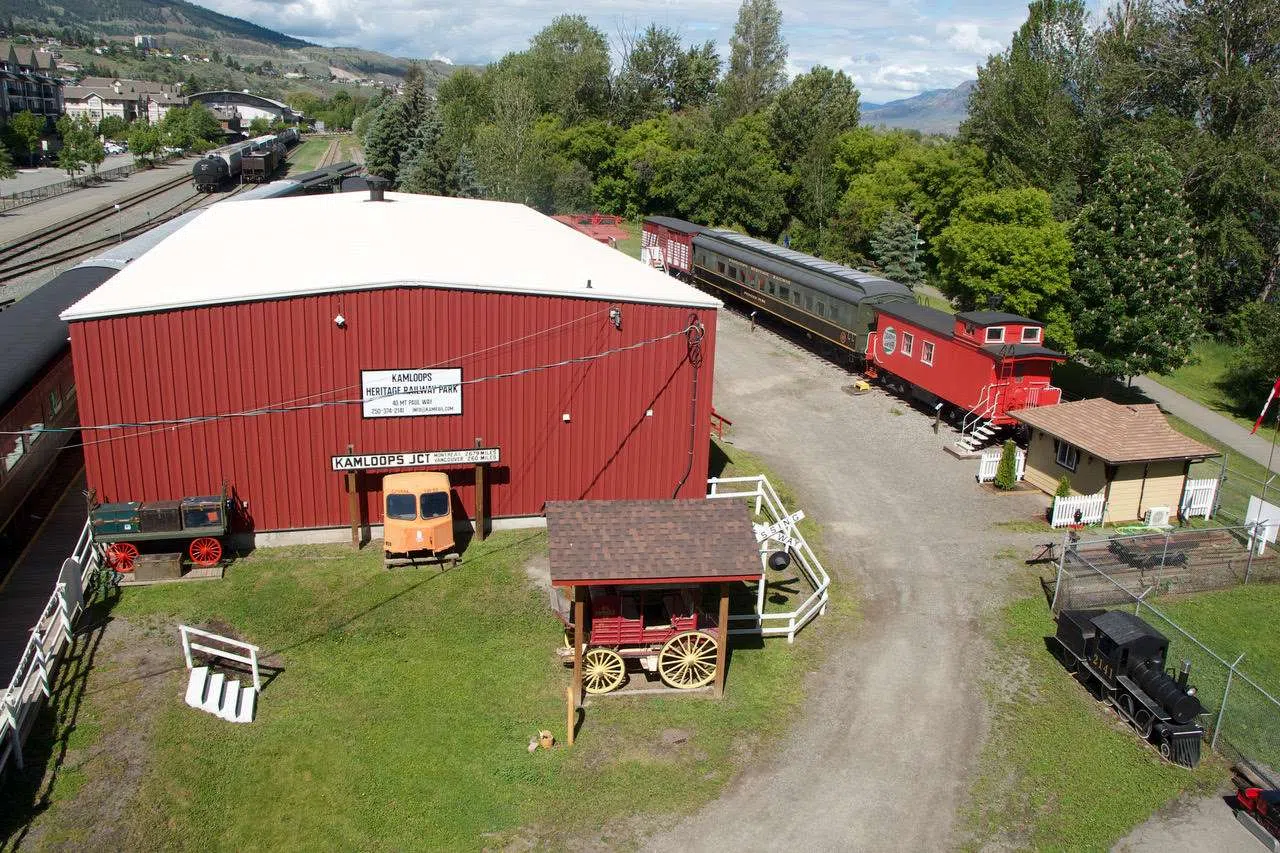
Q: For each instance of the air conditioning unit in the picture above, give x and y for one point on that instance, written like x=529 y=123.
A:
x=1157 y=516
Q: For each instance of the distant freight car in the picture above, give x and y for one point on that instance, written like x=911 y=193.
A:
x=219 y=167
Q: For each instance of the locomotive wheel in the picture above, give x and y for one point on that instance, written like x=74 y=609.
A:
x=1145 y=723
x=602 y=670
x=1166 y=749
x=120 y=556
x=205 y=551
x=688 y=660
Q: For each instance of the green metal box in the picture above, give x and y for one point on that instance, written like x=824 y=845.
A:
x=115 y=519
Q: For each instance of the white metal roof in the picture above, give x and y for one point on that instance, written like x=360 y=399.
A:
x=278 y=248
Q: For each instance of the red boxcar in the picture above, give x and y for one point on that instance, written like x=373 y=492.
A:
x=984 y=363
x=673 y=240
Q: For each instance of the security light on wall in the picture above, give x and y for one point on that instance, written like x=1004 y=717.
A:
x=340 y=321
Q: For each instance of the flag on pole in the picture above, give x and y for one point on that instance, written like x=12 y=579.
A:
x=1275 y=389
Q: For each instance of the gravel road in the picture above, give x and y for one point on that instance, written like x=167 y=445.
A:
x=896 y=718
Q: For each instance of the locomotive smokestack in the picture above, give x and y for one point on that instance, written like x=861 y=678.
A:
x=377 y=185
x=1184 y=674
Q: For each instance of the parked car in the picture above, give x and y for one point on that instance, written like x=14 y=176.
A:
x=114 y=148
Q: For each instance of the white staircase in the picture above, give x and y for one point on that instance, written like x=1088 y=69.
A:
x=976 y=438
x=211 y=692
x=977 y=429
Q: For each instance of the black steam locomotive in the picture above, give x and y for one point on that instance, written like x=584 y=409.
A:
x=1121 y=659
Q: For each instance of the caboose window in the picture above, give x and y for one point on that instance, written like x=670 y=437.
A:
x=402 y=507
x=995 y=334
x=1068 y=456
x=435 y=504
x=908 y=343
x=926 y=352
x=1030 y=334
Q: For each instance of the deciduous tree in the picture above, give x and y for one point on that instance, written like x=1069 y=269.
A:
x=757 y=59
x=28 y=127
x=1135 y=293
x=1003 y=250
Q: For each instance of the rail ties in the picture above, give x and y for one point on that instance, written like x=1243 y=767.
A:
x=330 y=155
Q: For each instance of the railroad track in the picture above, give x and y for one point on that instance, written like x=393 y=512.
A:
x=11 y=270
x=67 y=227
x=330 y=155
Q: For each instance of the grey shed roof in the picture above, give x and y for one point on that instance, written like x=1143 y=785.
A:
x=31 y=335
x=826 y=276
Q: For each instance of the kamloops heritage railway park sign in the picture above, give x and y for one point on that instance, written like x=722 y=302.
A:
x=411 y=392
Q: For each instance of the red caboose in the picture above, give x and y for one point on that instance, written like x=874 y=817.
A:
x=983 y=363
x=670 y=243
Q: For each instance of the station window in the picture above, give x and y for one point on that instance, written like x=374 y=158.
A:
x=908 y=343
x=995 y=334
x=55 y=401
x=926 y=352
x=37 y=431
x=1030 y=334
x=1067 y=455
x=13 y=449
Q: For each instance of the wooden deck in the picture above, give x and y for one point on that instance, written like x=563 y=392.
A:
x=25 y=592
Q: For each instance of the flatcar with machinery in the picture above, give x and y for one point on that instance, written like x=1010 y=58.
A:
x=1121 y=659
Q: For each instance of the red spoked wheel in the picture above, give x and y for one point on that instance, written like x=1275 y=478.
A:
x=205 y=551
x=120 y=556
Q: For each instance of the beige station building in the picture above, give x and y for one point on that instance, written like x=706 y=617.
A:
x=1129 y=453
x=99 y=97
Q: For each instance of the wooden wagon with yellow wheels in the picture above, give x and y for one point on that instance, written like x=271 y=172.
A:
x=648 y=584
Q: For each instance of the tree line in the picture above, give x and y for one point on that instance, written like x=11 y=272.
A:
x=1117 y=178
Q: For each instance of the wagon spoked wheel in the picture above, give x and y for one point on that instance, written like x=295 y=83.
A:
x=688 y=660
x=205 y=551
x=602 y=670
x=120 y=556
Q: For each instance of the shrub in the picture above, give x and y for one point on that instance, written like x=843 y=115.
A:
x=1007 y=473
x=1064 y=487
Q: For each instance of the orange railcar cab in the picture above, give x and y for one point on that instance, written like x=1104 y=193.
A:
x=417 y=513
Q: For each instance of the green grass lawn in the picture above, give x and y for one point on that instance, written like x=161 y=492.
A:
x=1055 y=758
x=631 y=245
x=1202 y=381
x=307 y=155
x=402 y=714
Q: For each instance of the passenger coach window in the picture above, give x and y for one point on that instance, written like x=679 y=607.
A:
x=784 y=293
x=720 y=267
x=822 y=310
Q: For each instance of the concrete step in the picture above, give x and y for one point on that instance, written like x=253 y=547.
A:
x=213 y=698
x=248 y=701
x=197 y=682
x=230 y=699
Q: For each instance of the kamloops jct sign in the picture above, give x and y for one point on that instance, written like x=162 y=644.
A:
x=416 y=459
x=411 y=393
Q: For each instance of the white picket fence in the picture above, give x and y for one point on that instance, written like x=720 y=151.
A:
x=1090 y=507
x=30 y=686
x=1197 y=497
x=989 y=463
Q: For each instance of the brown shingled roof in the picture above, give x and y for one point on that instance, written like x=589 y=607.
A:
x=640 y=542
x=1114 y=432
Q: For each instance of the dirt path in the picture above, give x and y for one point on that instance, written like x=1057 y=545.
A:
x=895 y=720
x=1205 y=823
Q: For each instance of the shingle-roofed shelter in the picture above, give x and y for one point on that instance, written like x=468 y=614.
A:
x=650 y=542
x=1127 y=451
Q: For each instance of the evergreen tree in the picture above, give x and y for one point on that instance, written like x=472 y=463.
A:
x=894 y=248
x=1007 y=471
x=757 y=59
x=425 y=168
x=1136 y=298
x=466 y=180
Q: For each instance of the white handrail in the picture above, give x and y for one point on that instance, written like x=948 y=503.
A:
x=186 y=632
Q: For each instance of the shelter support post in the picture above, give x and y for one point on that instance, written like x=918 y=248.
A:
x=579 y=638
x=722 y=639
x=353 y=501
x=480 y=507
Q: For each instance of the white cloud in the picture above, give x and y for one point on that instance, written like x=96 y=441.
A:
x=891 y=50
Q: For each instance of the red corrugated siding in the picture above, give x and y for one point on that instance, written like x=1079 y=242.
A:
x=231 y=358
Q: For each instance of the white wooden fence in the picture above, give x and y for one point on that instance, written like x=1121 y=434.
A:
x=989 y=463
x=20 y=702
x=772 y=517
x=1090 y=508
x=1197 y=497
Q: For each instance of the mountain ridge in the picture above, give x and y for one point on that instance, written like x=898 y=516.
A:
x=932 y=111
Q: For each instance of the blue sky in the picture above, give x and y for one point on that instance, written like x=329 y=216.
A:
x=892 y=50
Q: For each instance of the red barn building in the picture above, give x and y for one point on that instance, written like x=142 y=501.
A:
x=254 y=355
x=984 y=363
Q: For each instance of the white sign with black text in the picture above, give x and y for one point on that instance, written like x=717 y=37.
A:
x=411 y=392
x=416 y=459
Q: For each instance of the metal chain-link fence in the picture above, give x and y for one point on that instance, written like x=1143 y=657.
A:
x=1243 y=713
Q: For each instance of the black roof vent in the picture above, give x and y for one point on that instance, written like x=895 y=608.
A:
x=377 y=185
